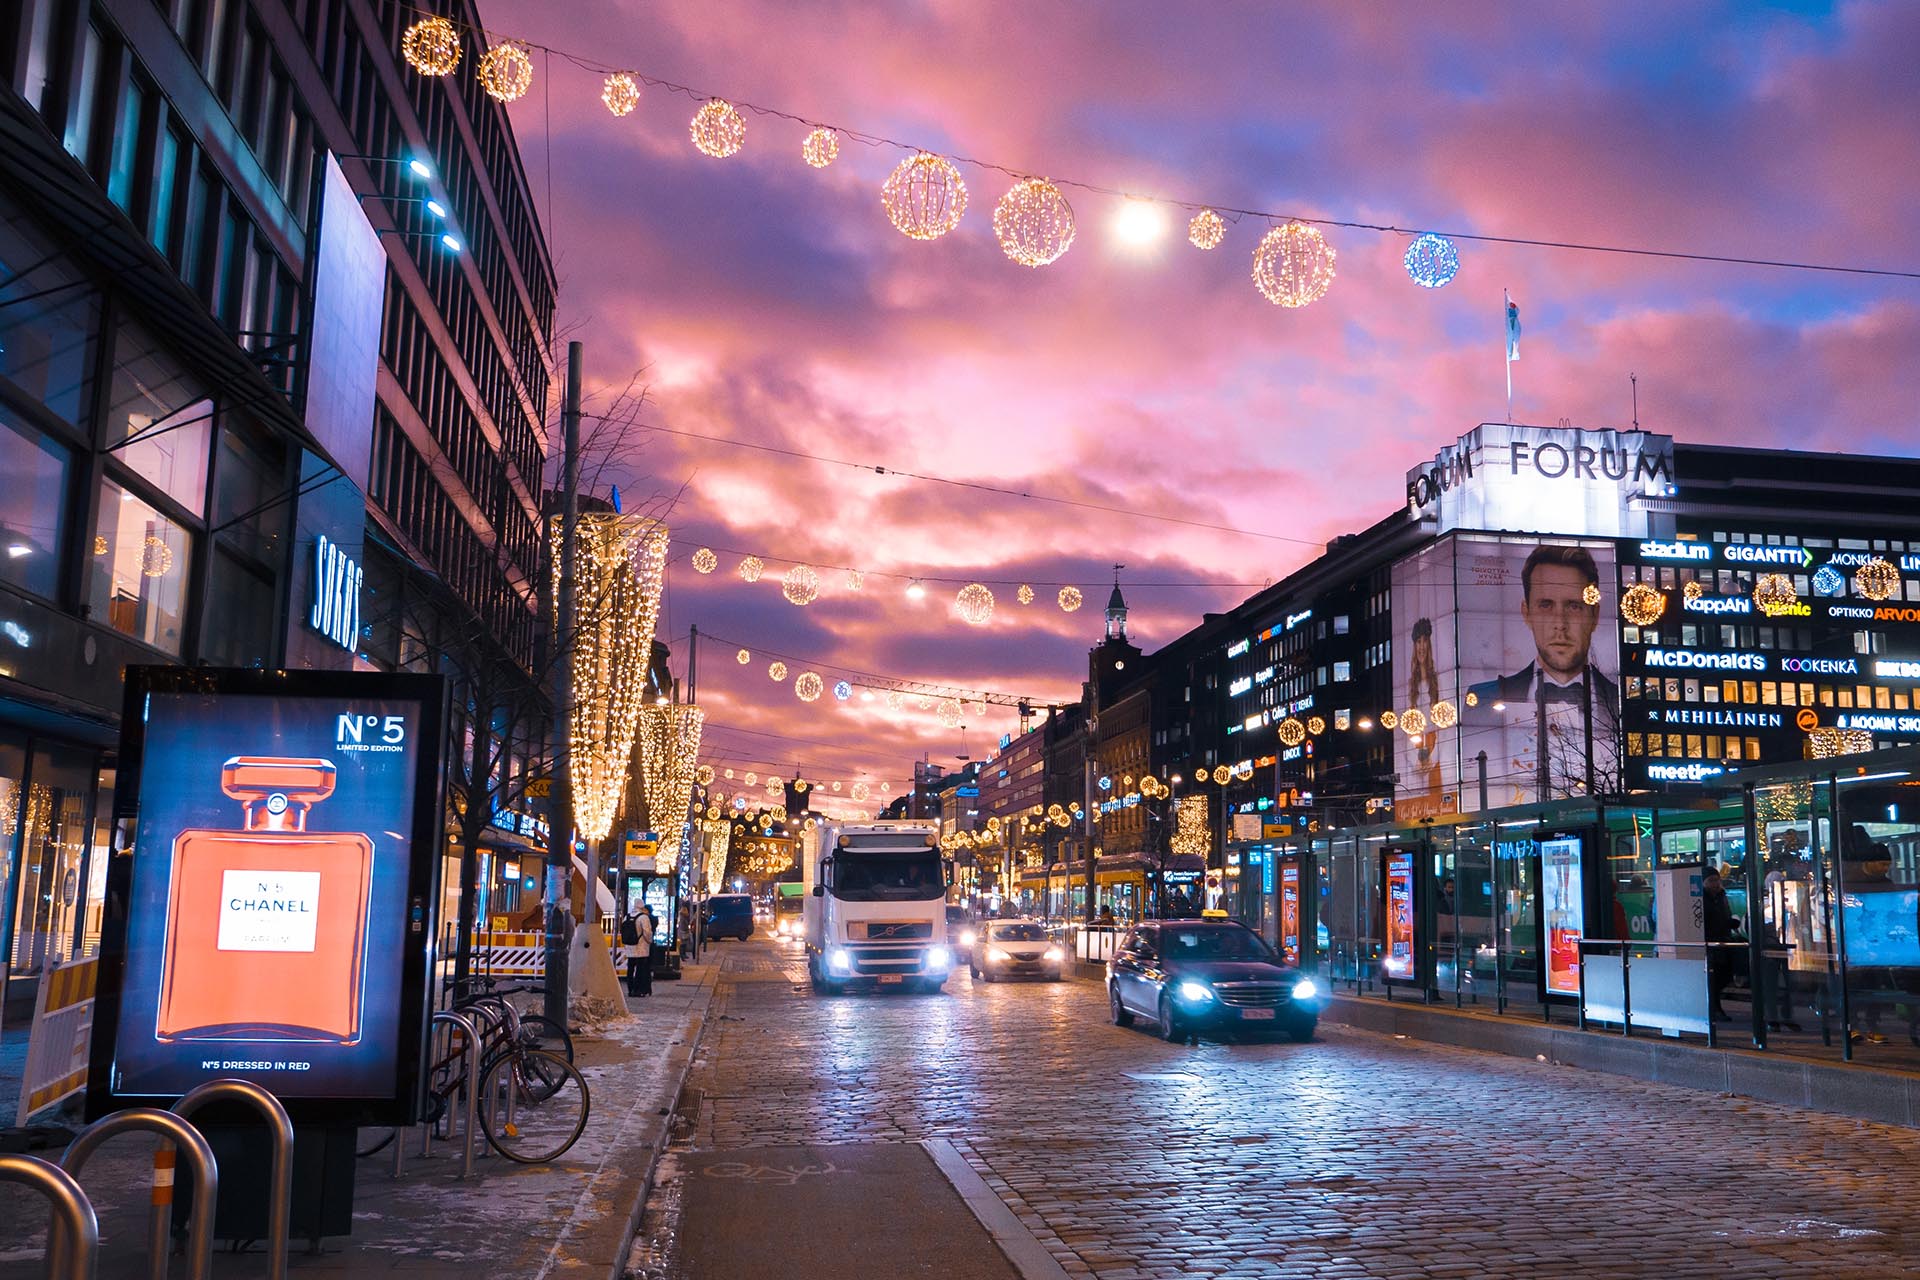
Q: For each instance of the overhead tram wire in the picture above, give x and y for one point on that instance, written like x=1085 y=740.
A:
x=974 y=485
x=874 y=680
x=873 y=140
x=943 y=578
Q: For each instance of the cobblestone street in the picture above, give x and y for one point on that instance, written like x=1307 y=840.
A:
x=1354 y=1156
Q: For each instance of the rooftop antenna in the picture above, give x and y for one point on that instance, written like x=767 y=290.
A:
x=1634 y=379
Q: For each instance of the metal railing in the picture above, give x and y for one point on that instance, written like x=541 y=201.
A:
x=280 y=1136
x=73 y=1232
x=206 y=1181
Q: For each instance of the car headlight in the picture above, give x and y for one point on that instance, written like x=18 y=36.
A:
x=968 y=938
x=1305 y=989
x=839 y=961
x=1055 y=954
x=939 y=958
x=995 y=954
x=1198 y=992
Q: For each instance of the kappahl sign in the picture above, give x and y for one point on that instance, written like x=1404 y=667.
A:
x=1543 y=480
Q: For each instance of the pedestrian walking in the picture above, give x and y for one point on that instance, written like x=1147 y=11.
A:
x=636 y=933
x=1718 y=918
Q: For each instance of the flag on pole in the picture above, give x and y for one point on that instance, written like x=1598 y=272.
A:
x=1513 y=345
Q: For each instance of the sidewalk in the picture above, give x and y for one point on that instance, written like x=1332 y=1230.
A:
x=573 y=1218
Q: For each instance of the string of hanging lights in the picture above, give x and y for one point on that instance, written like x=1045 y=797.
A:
x=925 y=197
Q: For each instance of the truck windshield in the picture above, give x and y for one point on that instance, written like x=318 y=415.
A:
x=887 y=877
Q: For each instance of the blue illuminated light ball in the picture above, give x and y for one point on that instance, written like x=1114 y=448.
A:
x=842 y=690
x=1828 y=581
x=1432 y=261
x=1105 y=783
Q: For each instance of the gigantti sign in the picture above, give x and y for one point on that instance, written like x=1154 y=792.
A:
x=1565 y=480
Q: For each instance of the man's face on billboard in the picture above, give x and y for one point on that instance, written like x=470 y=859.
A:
x=1560 y=618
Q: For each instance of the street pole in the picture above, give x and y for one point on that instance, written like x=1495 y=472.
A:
x=1087 y=782
x=693 y=664
x=560 y=833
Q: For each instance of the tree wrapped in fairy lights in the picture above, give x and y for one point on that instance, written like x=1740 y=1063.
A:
x=618 y=565
x=669 y=750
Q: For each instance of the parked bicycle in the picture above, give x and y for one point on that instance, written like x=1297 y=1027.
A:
x=533 y=1104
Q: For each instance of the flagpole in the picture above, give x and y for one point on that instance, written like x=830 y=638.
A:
x=1506 y=331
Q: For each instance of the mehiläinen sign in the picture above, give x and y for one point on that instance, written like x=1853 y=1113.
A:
x=1562 y=480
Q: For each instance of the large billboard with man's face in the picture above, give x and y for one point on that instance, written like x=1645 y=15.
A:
x=1504 y=647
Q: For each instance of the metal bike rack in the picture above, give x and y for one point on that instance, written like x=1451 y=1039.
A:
x=73 y=1233
x=280 y=1133
x=472 y=1055
x=206 y=1179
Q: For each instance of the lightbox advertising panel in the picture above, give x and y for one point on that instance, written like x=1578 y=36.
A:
x=1565 y=908
x=1397 y=960
x=275 y=916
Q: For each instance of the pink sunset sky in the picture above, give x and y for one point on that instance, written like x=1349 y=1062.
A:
x=763 y=301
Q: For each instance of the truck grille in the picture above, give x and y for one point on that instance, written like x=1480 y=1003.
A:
x=871 y=960
x=1252 y=995
x=895 y=930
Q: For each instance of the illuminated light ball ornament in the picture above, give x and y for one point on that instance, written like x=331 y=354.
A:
x=800 y=585
x=621 y=93
x=1773 y=593
x=820 y=149
x=860 y=791
x=924 y=197
x=777 y=672
x=751 y=568
x=156 y=557
x=1316 y=726
x=1069 y=599
x=1877 y=579
x=1473 y=699
x=1827 y=581
x=751 y=779
x=1222 y=774
x=1293 y=266
x=1414 y=722
x=808 y=686
x=704 y=561
x=729 y=773
x=974 y=604
x=506 y=72
x=743 y=657
x=1033 y=223
x=836 y=786
x=895 y=700
x=739 y=804
x=1388 y=719
x=1292 y=732
x=1592 y=594
x=1431 y=261
x=1024 y=595
x=841 y=692
x=1693 y=590
x=1641 y=605
x=431 y=46
x=855 y=579
x=1444 y=715
x=717 y=129
x=1342 y=721
x=704 y=775
x=950 y=713
x=1207 y=230
x=924 y=702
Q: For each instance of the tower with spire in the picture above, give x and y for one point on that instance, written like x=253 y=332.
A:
x=1115 y=661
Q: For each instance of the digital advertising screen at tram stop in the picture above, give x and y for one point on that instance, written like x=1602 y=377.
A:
x=271 y=899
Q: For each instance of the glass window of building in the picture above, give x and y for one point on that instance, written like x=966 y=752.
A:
x=137 y=574
x=48 y=317
x=32 y=506
x=160 y=419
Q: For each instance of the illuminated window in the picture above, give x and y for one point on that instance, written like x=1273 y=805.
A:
x=1693 y=746
x=1749 y=691
x=1710 y=693
x=1636 y=745
x=1713 y=746
x=138 y=569
x=1768 y=695
x=1753 y=748
x=1882 y=698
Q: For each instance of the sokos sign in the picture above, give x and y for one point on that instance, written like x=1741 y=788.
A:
x=336 y=594
x=1543 y=480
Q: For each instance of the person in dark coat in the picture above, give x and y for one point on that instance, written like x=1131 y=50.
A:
x=1717 y=914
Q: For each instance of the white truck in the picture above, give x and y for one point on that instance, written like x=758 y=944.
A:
x=875 y=906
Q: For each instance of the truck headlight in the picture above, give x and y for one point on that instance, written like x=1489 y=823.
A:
x=939 y=958
x=1197 y=992
x=839 y=961
x=1305 y=989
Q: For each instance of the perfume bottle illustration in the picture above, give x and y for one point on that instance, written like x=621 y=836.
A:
x=267 y=926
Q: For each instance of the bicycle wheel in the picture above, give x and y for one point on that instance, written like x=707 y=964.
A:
x=521 y=1126
x=537 y=1032
x=372 y=1141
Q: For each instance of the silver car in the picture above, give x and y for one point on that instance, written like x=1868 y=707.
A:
x=1016 y=949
